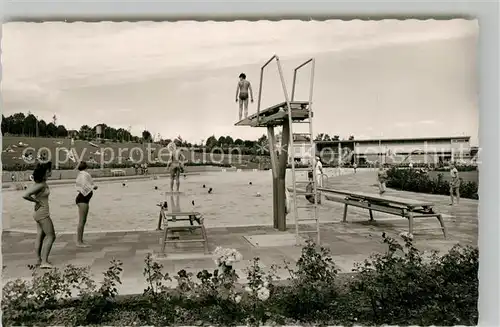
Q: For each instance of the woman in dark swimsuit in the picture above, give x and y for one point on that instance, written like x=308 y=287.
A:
x=39 y=194
x=85 y=187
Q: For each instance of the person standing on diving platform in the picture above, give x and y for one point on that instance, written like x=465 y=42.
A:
x=242 y=90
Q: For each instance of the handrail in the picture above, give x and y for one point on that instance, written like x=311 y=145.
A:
x=295 y=75
x=260 y=85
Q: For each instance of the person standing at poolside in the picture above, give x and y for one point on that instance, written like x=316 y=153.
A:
x=318 y=172
x=310 y=187
x=454 y=184
x=39 y=193
x=175 y=166
x=382 y=178
x=242 y=90
x=85 y=187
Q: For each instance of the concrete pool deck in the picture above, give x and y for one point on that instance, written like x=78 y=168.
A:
x=349 y=243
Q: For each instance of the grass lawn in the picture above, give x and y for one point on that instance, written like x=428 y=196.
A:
x=109 y=150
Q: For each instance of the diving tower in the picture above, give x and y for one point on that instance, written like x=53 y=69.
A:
x=287 y=114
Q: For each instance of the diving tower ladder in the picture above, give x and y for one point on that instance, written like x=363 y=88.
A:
x=300 y=209
x=288 y=114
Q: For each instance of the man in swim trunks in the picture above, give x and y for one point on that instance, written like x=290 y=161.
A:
x=175 y=165
x=242 y=90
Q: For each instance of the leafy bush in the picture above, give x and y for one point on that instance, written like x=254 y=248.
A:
x=418 y=181
x=402 y=287
x=312 y=282
x=48 y=298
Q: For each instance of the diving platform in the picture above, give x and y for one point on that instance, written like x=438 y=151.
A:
x=284 y=114
x=277 y=114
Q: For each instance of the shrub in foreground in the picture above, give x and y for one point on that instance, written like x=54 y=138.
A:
x=402 y=288
x=399 y=287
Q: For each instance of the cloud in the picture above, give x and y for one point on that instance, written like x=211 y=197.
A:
x=402 y=124
x=427 y=122
x=81 y=54
x=178 y=74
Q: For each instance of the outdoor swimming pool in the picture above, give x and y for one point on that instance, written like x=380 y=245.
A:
x=133 y=207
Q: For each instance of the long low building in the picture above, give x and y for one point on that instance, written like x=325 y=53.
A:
x=432 y=150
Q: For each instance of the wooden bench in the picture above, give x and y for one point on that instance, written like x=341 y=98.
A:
x=168 y=219
x=117 y=172
x=406 y=208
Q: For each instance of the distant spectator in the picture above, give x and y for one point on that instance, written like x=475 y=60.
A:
x=454 y=184
x=382 y=179
x=318 y=171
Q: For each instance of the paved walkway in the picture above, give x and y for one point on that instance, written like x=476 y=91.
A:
x=349 y=242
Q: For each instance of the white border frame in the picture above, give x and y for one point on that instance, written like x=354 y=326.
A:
x=487 y=12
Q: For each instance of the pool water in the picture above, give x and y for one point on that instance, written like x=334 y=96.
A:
x=233 y=202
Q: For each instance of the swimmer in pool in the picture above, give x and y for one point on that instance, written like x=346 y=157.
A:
x=175 y=166
x=242 y=90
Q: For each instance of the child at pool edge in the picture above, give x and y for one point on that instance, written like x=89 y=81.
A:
x=310 y=187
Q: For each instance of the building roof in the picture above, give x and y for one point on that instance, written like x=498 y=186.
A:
x=443 y=138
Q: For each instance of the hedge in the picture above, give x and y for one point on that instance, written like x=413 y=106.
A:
x=399 y=287
x=436 y=167
x=419 y=181
x=459 y=168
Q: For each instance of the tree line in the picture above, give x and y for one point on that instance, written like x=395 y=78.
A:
x=20 y=124
x=29 y=125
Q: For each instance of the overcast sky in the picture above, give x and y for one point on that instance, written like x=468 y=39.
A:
x=373 y=79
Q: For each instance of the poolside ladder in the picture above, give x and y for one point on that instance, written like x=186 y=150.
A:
x=303 y=211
